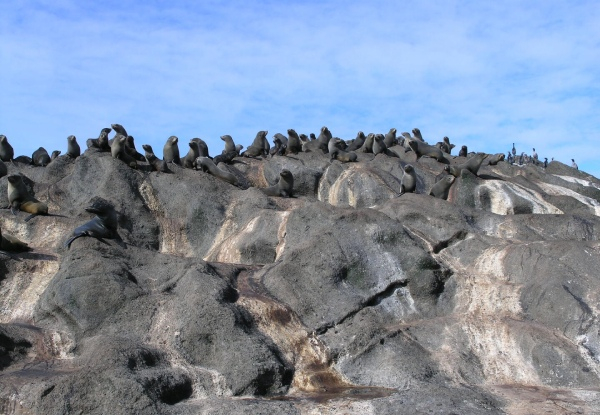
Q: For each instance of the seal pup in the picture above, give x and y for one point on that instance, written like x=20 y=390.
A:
x=54 y=155
x=40 y=157
x=304 y=138
x=155 y=163
x=408 y=184
x=208 y=166
x=229 y=144
x=313 y=136
x=257 y=148
x=104 y=225
x=117 y=150
x=73 y=149
x=495 y=159
x=473 y=164
x=189 y=161
x=12 y=244
x=101 y=142
x=390 y=138
x=19 y=198
x=358 y=142
x=421 y=149
x=294 y=144
x=284 y=186
x=171 y=151
x=463 y=152
x=6 y=151
x=441 y=188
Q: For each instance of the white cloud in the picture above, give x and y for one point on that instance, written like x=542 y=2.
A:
x=485 y=74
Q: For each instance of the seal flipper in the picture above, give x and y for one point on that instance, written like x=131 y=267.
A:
x=28 y=218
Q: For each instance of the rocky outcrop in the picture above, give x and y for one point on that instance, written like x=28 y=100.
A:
x=346 y=298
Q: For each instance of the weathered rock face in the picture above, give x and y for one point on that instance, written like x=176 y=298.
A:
x=344 y=299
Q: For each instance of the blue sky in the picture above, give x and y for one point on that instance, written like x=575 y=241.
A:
x=486 y=74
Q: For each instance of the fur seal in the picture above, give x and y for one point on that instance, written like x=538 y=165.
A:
x=229 y=144
x=73 y=149
x=463 y=151
x=101 y=142
x=279 y=145
x=367 y=147
x=440 y=189
x=202 y=147
x=320 y=143
x=473 y=164
x=208 y=166
x=19 y=198
x=54 y=155
x=405 y=140
x=104 y=225
x=304 y=138
x=12 y=244
x=189 y=161
x=417 y=135
x=257 y=148
x=155 y=163
x=294 y=144
x=357 y=142
x=379 y=146
x=390 y=138
x=421 y=149
x=493 y=160
x=119 y=129
x=335 y=153
x=131 y=150
x=3 y=169
x=6 y=151
x=40 y=157
x=171 y=151
x=409 y=180
x=284 y=186
x=117 y=150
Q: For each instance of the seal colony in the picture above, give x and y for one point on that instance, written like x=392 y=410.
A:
x=222 y=166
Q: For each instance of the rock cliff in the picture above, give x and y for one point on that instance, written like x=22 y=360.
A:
x=346 y=298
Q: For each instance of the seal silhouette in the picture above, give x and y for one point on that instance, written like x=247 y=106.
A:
x=104 y=225
x=19 y=198
x=284 y=186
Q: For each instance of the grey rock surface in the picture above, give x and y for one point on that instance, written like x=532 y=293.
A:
x=344 y=299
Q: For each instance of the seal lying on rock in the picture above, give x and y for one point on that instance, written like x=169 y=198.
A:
x=155 y=163
x=335 y=153
x=40 y=157
x=495 y=159
x=10 y=243
x=207 y=165
x=421 y=149
x=284 y=186
x=104 y=225
x=441 y=188
x=473 y=165
x=19 y=198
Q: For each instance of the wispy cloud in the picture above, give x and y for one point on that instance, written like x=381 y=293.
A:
x=486 y=74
